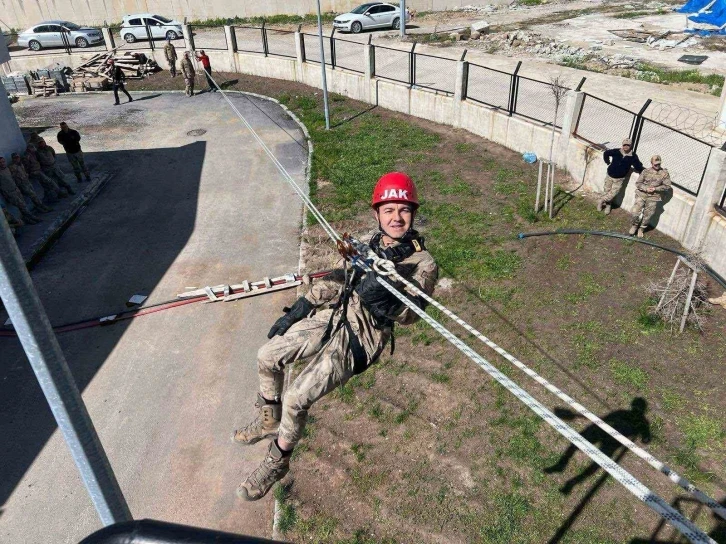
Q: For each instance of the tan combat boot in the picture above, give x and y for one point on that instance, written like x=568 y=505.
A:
x=273 y=469
x=600 y=205
x=633 y=230
x=264 y=425
x=640 y=232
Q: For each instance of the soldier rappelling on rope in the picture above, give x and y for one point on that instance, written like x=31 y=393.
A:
x=340 y=327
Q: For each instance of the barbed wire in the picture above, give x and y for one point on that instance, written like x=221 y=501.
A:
x=692 y=122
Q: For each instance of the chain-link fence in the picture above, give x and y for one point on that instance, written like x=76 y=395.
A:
x=602 y=123
x=311 y=46
x=393 y=64
x=489 y=86
x=684 y=156
x=536 y=100
x=437 y=73
x=280 y=43
x=249 y=39
x=349 y=55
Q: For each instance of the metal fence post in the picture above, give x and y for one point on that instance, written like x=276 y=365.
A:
x=66 y=41
x=464 y=75
x=638 y=125
x=265 y=49
x=579 y=85
x=302 y=46
x=148 y=35
x=332 y=50
x=31 y=323
x=412 y=66
x=513 y=89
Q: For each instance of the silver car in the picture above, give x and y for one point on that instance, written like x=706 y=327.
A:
x=51 y=34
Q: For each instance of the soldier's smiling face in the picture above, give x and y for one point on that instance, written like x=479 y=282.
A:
x=395 y=218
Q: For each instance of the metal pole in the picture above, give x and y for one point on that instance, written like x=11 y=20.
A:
x=403 y=18
x=31 y=323
x=322 y=67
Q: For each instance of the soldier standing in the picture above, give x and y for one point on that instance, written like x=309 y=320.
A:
x=20 y=176
x=170 y=54
x=619 y=162
x=340 y=328
x=12 y=194
x=187 y=69
x=71 y=141
x=651 y=185
x=51 y=191
x=46 y=158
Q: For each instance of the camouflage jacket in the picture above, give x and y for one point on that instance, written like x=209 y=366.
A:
x=7 y=183
x=46 y=156
x=420 y=269
x=170 y=52
x=30 y=161
x=18 y=171
x=659 y=180
x=187 y=67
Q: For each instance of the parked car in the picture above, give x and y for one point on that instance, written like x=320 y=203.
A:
x=50 y=34
x=134 y=27
x=370 y=15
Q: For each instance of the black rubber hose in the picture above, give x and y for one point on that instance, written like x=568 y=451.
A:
x=711 y=272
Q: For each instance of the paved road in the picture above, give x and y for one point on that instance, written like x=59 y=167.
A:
x=164 y=390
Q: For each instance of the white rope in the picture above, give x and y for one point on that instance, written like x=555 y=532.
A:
x=624 y=440
x=653 y=501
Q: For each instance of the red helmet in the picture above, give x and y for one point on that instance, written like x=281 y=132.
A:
x=395 y=187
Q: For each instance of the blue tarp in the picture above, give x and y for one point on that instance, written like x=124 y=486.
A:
x=716 y=16
x=705 y=33
x=694 y=6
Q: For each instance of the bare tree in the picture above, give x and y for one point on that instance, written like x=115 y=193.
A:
x=558 y=89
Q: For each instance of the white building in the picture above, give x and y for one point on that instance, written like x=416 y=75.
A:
x=11 y=138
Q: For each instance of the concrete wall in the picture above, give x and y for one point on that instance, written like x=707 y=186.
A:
x=25 y=13
x=11 y=139
x=690 y=220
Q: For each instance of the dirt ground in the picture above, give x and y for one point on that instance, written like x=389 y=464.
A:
x=424 y=446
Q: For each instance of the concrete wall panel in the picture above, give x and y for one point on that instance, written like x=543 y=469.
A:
x=715 y=242
x=394 y=97
x=477 y=120
x=500 y=125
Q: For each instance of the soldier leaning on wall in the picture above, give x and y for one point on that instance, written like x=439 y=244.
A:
x=620 y=162
x=650 y=187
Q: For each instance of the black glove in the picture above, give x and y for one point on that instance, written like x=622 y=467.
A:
x=299 y=310
x=381 y=303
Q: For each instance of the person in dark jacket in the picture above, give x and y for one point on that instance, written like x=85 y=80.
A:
x=71 y=141
x=117 y=78
x=620 y=162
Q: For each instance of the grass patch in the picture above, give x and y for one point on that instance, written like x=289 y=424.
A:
x=308 y=19
x=672 y=401
x=288 y=514
x=629 y=375
x=702 y=431
x=666 y=75
x=440 y=377
x=632 y=14
x=318 y=528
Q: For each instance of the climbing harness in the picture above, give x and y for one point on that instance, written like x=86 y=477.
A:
x=363 y=257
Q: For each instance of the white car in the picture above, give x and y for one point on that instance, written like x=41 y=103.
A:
x=134 y=27
x=370 y=15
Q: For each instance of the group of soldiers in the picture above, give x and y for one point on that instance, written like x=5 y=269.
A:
x=38 y=164
x=652 y=184
x=187 y=67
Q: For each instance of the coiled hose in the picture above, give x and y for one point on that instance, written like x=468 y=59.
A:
x=711 y=272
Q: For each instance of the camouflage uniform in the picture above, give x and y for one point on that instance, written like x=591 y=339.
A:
x=330 y=364
x=170 y=54
x=46 y=158
x=13 y=223
x=13 y=196
x=659 y=180
x=17 y=170
x=187 y=69
x=51 y=191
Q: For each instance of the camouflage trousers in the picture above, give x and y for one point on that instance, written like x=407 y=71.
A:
x=56 y=175
x=50 y=187
x=648 y=208
x=612 y=188
x=330 y=365
x=189 y=86
x=26 y=188
x=78 y=164
x=15 y=198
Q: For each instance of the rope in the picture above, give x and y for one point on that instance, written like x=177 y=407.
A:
x=625 y=441
x=653 y=501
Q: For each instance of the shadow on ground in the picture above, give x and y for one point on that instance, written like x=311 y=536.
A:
x=134 y=232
